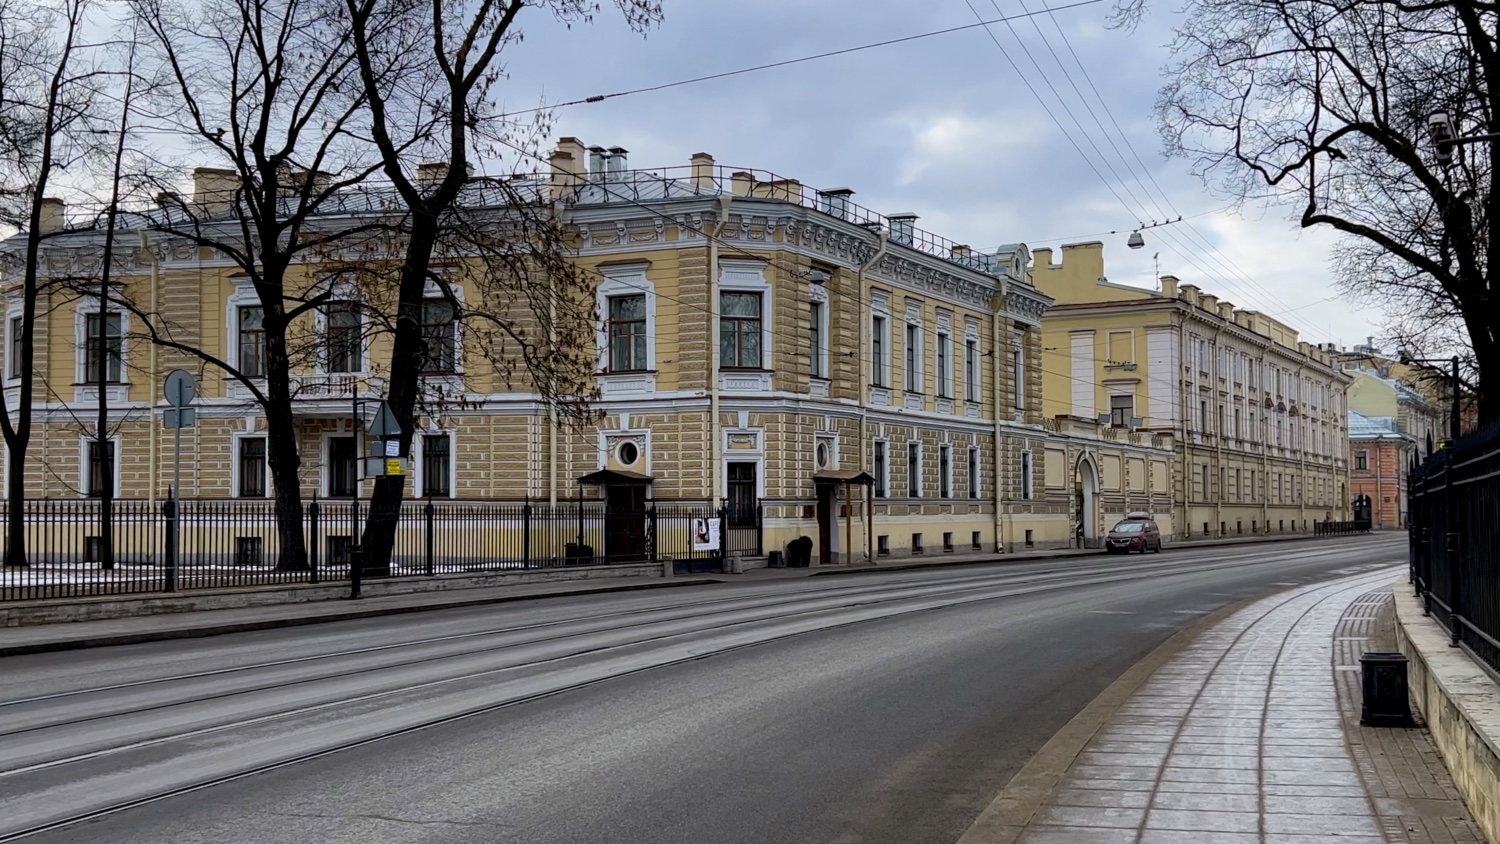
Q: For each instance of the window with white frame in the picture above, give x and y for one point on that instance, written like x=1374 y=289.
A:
x=340 y=463
x=944 y=366
x=913 y=358
x=945 y=471
x=882 y=470
x=914 y=470
x=437 y=465
x=1252 y=379
x=250 y=468
x=250 y=338
x=627 y=333
x=104 y=348
x=1027 y=483
x=343 y=336
x=439 y=337
x=973 y=472
x=1121 y=409
x=13 y=359
x=817 y=338
x=1018 y=366
x=100 y=468
x=1203 y=355
x=971 y=369
x=880 y=343
x=740 y=329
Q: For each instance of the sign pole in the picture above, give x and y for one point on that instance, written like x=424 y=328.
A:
x=356 y=559
x=181 y=389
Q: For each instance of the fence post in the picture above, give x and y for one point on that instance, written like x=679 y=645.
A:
x=169 y=509
x=526 y=535
x=431 y=539
x=312 y=544
x=723 y=534
x=1455 y=586
x=651 y=530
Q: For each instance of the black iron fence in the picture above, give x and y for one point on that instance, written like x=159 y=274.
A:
x=240 y=543
x=1331 y=528
x=1454 y=508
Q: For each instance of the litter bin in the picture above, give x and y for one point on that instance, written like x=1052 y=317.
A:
x=775 y=560
x=578 y=555
x=1383 y=686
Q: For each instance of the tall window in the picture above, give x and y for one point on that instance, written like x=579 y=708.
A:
x=1362 y=460
x=878 y=351
x=973 y=472
x=1203 y=355
x=437 y=465
x=739 y=330
x=345 y=344
x=1018 y=366
x=1203 y=420
x=104 y=350
x=914 y=470
x=945 y=471
x=971 y=370
x=1238 y=431
x=1239 y=491
x=341 y=467
x=881 y=472
x=1254 y=366
x=944 y=366
x=251 y=325
x=913 y=358
x=1222 y=430
x=252 y=480
x=439 y=345
x=627 y=333
x=1207 y=492
x=1278 y=432
x=815 y=340
x=741 y=480
x=1027 y=483
x=1121 y=409
x=13 y=360
x=101 y=467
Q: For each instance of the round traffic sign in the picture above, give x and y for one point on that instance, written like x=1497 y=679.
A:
x=182 y=388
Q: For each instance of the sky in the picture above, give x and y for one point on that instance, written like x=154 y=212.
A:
x=943 y=127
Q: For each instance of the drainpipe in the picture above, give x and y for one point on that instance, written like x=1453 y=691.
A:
x=716 y=449
x=151 y=374
x=997 y=345
x=866 y=378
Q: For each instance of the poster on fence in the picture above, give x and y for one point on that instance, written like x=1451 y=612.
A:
x=705 y=534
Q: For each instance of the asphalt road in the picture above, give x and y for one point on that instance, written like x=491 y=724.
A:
x=886 y=707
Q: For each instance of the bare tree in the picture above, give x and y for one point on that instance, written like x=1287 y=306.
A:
x=1324 y=105
x=49 y=109
x=443 y=112
x=267 y=90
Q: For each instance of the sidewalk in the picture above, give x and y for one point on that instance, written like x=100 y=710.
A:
x=1249 y=733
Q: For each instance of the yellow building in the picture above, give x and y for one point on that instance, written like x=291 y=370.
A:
x=1259 y=417
x=760 y=344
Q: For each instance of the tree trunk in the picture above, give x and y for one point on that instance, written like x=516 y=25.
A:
x=281 y=447
x=15 y=513
x=407 y=356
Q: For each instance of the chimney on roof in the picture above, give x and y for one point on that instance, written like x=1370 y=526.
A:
x=430 y=173
x=1169 y=286
x=562 y=179
x=615 y=166
x=835 y=202
x=702 y=165
x=574 y=147
x=598 y=162
x=53 y=214
x=214 y=189
x=903 y=227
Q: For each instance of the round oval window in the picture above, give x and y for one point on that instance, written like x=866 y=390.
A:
x=822 y=452
x=628 y=453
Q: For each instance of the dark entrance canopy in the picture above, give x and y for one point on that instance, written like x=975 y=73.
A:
x=614 y=476
x=843 y=476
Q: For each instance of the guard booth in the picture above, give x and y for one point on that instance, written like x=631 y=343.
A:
x=1364 y=512
x=836 y=541
x=626 y=514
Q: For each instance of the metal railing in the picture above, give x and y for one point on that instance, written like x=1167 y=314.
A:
x=241 y=543
x=1454 y=509
x=1340 y=528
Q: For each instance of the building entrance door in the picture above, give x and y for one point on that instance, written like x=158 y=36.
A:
x=625 y=531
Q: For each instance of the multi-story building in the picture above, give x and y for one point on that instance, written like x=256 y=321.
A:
x=1258 y=416
x=760 y=343
x=1380 y=455
x=1384 y=388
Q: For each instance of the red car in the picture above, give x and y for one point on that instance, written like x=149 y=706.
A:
x=1137 y=532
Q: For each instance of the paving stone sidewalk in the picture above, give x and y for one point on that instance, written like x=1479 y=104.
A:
x=1245 y=736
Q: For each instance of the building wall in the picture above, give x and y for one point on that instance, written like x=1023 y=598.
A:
x=1383 y=478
